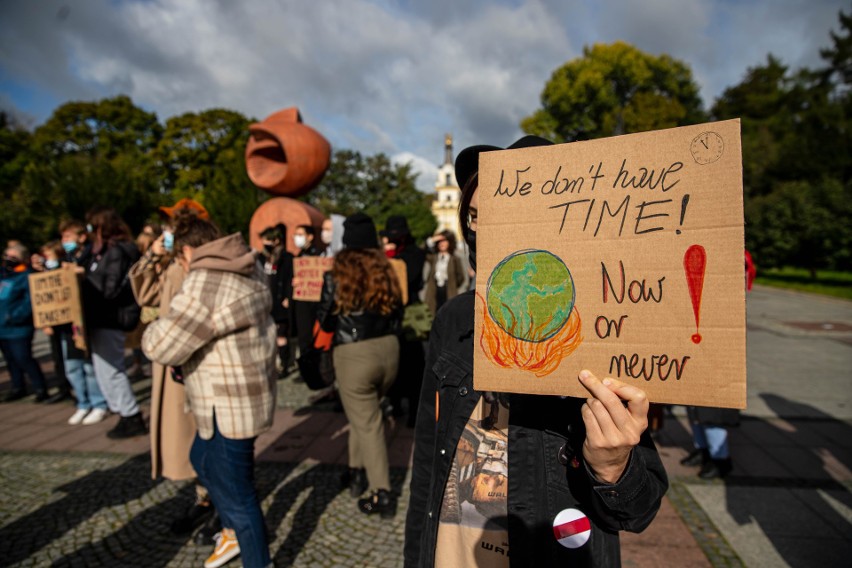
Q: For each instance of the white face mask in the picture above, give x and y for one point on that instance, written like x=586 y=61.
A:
x=300 y=241
x=326 y=236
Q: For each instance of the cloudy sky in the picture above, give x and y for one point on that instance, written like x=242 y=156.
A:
x=387 y=76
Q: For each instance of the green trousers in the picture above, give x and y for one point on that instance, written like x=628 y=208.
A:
x=365 y=370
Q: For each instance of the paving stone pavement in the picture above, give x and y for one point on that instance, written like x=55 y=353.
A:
x=71 y=497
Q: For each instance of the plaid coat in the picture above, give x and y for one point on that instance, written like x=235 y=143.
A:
x=218 y=329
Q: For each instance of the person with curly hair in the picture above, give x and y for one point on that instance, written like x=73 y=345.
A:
x=361 y=305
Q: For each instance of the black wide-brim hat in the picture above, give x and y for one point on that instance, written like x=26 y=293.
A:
x=359 y=232
x=467 y=162
x=396 y=227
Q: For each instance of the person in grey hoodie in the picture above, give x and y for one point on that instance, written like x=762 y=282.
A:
x=219 y=337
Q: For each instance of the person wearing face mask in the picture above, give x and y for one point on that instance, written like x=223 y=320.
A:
x=156 y=278
x=278 y=267
x=399 y=244
x=16 y=324
x=327 y=236
x=559 y=476
x=305 y=313
x=52 y=253
x=91 y=404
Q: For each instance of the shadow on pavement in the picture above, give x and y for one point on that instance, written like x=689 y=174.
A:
x=83 y=498
x=798 y=509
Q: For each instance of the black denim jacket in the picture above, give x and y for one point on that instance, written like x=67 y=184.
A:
x=355 y=326
x=546 y=433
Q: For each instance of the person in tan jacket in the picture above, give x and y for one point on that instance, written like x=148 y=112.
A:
x=219 y=337
x=155 y=279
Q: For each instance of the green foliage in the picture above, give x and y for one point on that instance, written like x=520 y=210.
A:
x=376 y=187
x=86 y=154
x=796 y=159
x=802 y=224
x=202 y=156
x=615 y=89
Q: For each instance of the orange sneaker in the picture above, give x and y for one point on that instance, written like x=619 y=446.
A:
x=227 y=548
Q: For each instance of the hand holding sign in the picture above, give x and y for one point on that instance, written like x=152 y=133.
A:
x=612 y=430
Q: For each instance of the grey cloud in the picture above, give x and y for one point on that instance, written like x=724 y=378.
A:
x=390 y=76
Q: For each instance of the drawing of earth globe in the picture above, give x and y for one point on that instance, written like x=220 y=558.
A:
x=530 y=295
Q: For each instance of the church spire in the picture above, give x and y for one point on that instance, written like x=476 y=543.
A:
x=448 y=149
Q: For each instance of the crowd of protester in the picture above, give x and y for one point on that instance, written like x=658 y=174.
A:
x=142 y=300
x=219 y=324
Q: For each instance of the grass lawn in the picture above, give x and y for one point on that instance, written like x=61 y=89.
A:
x=828 y=283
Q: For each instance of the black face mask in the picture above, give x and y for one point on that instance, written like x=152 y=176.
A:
x=470 y=239
x=269 y=248
x=11 y=263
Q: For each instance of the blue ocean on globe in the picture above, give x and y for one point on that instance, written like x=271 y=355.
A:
x=530 y=295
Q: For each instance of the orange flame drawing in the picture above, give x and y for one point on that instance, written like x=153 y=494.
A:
x=541 y=358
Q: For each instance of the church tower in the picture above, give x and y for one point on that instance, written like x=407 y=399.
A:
x=445 y=207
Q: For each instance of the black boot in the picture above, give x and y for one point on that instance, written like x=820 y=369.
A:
x=714 y=469
x=382 y=502
x=63 y=394
x=204 y=536
x=698 y=456
x=355 y=479
x=128 y=427
x=196 y=515
x=15 y=395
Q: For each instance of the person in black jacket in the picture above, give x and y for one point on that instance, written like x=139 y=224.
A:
x=304 y=314
x=278 y=267
x=361 y=304
x=110 y=311
x=412 y=355
x=522 y=480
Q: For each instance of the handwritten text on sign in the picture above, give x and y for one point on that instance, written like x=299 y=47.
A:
x=55 y=297
x=307 y=277
x=623 y=256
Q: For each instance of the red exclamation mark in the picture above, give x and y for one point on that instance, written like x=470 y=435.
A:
x=694 y=263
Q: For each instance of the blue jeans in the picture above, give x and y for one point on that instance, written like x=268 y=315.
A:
x=81 y=375
x=107 y=346
x=226 y=468
x=714 y=439
x=19 y=359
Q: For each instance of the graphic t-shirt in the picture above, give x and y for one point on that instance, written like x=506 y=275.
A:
x=473 y=527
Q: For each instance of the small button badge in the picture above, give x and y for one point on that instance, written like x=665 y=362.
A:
x=572 y=528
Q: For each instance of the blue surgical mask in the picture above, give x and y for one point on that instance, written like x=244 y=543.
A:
x=168 y=241
x=51 y=263
x=70 y=246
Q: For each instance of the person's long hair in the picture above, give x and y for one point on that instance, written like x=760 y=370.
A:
x=112 y=226
x=365 y=281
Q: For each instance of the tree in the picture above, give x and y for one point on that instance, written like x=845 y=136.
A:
x=87 y=154
x=376 y=187
x=796 y=159
x=191 y=146
x=14 y=155
x=615 y=89
x=801 y=224
x=202 y=156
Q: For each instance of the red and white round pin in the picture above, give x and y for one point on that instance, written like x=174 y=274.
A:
x=572 y=528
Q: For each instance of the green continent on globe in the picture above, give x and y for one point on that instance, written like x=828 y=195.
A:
x=530 y=295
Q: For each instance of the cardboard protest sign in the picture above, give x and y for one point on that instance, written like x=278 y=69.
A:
x=401 y=272
x=307 y=277
x=55 y=298
x=623 y=256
